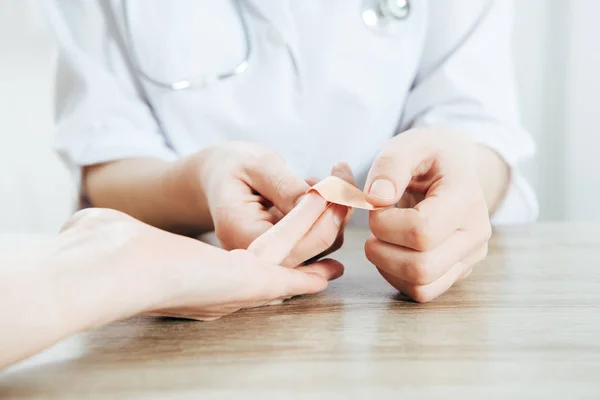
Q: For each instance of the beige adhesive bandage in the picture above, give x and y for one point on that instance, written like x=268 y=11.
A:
x=338 y=191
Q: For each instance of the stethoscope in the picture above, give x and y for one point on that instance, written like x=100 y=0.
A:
x=381 y=16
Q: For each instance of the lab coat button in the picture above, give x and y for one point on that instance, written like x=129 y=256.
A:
x=397 y=9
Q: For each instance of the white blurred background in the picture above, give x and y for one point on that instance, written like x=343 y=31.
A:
x=557 y=60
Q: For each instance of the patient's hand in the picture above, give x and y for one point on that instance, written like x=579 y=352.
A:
x=106 y=266
x=178 y=276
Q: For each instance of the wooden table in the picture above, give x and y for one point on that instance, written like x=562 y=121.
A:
x=526 y=324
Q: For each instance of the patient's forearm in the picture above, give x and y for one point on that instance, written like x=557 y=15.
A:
x=159 y=193
x=50 y=293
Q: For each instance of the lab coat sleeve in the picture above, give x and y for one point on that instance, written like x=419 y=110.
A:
x=465 y=82
x=100 y=114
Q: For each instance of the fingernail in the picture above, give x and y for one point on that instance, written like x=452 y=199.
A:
x=383 y=189
x=340 y=166
x=339 y=214
x=311 y=180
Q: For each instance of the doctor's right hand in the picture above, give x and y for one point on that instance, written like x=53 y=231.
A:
x=249 y=189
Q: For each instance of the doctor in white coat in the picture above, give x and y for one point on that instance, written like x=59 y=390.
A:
x=199 y=115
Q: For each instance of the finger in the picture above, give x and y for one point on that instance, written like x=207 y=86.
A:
x=320 y=237
x=306 y=243
x=410 y=199
x=312 y=180
x=238 y=225
x=327 y=268
x=277 y=183
x=94 y=217
x=327 y=235
x=422 y=268
x=426 y=293
x=429 y=223
x=279 y=241
x=394 y=167
x=337 y=244
x=289 y=282
x=238 y=215
x=276 y=213
x=342 y=170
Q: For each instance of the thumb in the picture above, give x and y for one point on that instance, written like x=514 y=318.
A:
x=408 y=154
x=387 y=180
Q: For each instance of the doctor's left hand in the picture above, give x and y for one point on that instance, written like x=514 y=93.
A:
x=441 y=226
x=249 y=188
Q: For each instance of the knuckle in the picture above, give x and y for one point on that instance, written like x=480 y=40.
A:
x=284 y=186
x=239 y=256
x=110 y=227
x=253 y=166
x=420 y=235
x=221 y=215
x=390 y=146
x=375 y=225
x=82 y=216
x=419 y=270
x=375 y=220
x=101 y=214
x=380 y=224
x=325 y=241
x=240 y=147
x=385 y=160
x=224 y=224
x=421 y=294
x=267 y=157
x=91 y=217
x=260 y=159
x=223 y=237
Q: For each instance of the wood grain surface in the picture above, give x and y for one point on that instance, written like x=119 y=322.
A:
x=526 y=324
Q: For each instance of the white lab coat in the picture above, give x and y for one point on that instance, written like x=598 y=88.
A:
x=320 y=88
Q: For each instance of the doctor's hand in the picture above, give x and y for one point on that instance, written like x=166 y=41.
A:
x=248 y=189
x=441 y=226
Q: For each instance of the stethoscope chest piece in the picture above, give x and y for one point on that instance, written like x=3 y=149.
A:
x=384 y=16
